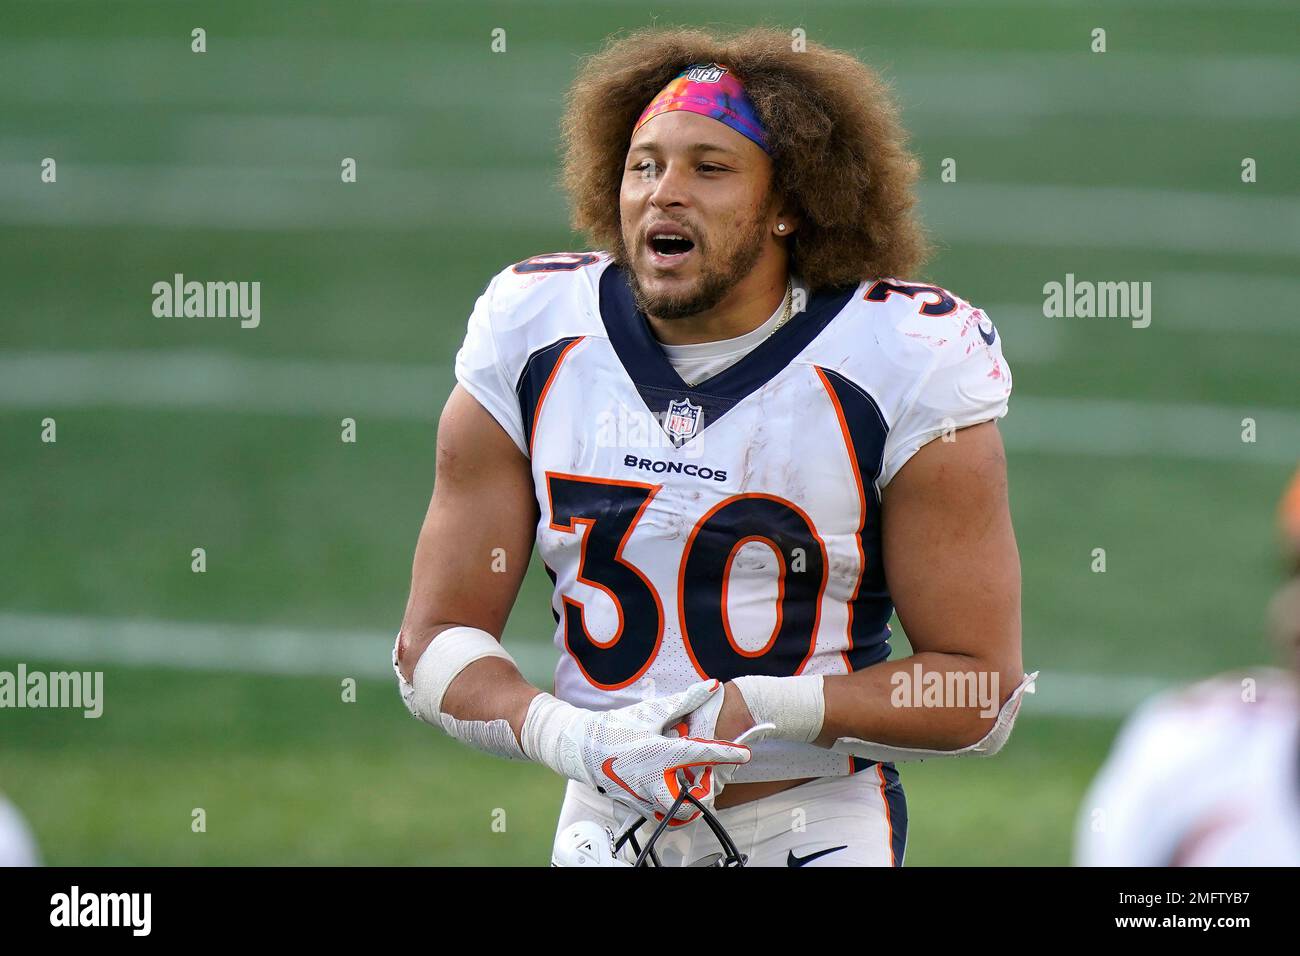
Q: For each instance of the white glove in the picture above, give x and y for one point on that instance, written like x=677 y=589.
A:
x=702 y=724
x=628 y=754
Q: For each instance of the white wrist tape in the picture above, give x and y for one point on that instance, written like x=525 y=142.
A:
x=986 y=746
x=441 y=663
x=796 y=705
x=543 y=739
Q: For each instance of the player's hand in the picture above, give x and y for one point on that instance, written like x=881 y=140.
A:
x=631 y=757
x=724 y=717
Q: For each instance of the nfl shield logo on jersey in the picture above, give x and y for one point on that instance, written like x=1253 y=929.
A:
x=683 y=420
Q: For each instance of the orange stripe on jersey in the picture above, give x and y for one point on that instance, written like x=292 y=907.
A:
x=889 y=821
x=862 y=507
x=541 y=398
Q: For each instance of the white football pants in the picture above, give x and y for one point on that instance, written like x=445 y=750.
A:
x=858 y=820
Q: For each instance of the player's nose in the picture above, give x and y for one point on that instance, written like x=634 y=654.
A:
x=670 y=186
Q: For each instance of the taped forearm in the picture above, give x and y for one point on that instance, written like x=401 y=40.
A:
x=986 y=746
x=443 y=660
x=797 y=708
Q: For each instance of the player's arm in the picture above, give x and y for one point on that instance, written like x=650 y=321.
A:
x=482 y=501
x=954 y=573
x=453 y=671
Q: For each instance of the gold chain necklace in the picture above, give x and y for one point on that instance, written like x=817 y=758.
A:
x=785 y=317
x=789 y=307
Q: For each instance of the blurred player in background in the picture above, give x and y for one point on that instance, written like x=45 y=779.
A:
x=720 y=432
x=17 y=846
x=1210 y=775
x=1289 y=525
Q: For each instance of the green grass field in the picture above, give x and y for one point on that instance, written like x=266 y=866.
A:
x=1117 y=166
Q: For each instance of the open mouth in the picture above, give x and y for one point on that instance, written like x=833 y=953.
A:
x=671 y=245
x=669 y=248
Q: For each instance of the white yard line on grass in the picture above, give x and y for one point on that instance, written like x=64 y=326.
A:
x=965 y=87
x=44 y=383
x=86 y=642
x=1106 y=217
x=221 y=382
x=1231 y=304
x=300 y=196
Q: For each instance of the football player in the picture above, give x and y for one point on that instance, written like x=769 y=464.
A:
x=17 y=846
x=1210 y=775
x=739 y=436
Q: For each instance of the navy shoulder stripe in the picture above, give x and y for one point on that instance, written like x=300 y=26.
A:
x=532 y=382
x=865 y=430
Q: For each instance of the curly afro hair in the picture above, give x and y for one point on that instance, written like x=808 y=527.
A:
x=839 y=151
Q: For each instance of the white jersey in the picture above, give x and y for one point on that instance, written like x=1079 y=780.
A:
x=1208 y=776
x=732 y=527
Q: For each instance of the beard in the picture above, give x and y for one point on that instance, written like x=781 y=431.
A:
x=718 y=276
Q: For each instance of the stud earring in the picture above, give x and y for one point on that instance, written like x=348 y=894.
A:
x=780 y=227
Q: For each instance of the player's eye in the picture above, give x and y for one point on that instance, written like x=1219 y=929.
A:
x=710 y=168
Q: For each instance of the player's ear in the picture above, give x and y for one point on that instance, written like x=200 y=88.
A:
x=785 y=221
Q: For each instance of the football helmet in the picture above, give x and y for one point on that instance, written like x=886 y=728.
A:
x=587 y=843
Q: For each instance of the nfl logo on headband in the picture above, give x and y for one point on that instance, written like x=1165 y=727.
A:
x=706 y=74
x=710 y=90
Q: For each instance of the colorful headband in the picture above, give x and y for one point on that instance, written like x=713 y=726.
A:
x=710 y=90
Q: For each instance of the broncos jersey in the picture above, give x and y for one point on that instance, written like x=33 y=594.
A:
x=733 y=526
